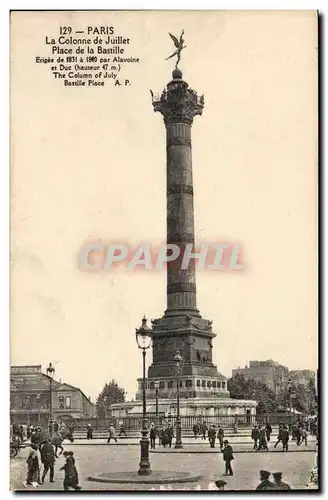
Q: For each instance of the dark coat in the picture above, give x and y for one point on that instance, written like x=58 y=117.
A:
x=227 y=453
x=152 y=433
x=47 y=453
x=266 y=485
x=268 y=429
x=71 y=475
x=212 y=433
x=285 y=436
x=281 y=486
x=255 y=433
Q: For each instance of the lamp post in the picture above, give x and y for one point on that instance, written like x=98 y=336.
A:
x=178 y=442
x=156 y=385
x=51 y=373
x=105 y=399
x=143 y=338
x=38 y=396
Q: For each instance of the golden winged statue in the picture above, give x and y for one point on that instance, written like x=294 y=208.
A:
x=179 y=45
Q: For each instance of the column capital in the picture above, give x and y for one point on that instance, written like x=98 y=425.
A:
x=178 y=103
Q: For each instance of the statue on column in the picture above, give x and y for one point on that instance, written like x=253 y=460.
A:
x=179 y=45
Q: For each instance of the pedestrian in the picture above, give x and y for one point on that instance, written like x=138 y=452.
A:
x=122 y=430
x=89 y=432
x=262 y=440
x=56 y=426
x=220 y=484
x=298 y=435
x=280 y=431
x=112 y=434
x=170 y=434
x=227 y=457
x=28 y=431
x=285 y=438
x=152 y=436
x=278 y=483
x=221 y=437
x=204 y=429
x=212 y=436
x=48 y=460
x=195 y=430
x=70 y=434
x=33 y=467
x=71 y=479
x=160 y=436
x=265 y=484
x=304 y=436
x=255 y=436
x=268 y=431
x=165 y=437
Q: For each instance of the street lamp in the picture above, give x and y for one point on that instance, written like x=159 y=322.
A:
x=50 y=374
x=143 y=338
x=156 y=385
x=178 y=442
x=38 y=396
x=105 y=401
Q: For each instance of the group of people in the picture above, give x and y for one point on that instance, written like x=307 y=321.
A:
x=165 y=435
x=111 y=432
x=44 y=453
x=261 y=436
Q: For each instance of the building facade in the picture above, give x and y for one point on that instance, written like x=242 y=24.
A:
x=30 y=398
x=267 y=372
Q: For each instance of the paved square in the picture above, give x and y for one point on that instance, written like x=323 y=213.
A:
x=110 y=458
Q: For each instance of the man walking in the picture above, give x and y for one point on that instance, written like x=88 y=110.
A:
x=304 y=436
x=112 y=434
x=262 y=441
x=204 y=429
x=221 y=437
x=255 y=436
x=265 y=484
x=227 y=457
x=212 y=436
x=195 y=430
x=281 y=428
x=268 y=431
x=285 y=439
x=48 y=460
x=278 y=483
x=122 y=430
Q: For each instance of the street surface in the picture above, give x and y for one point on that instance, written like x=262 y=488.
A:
x=92 y=460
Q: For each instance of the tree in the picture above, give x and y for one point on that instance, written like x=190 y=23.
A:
x=302 y=397
x=110 y=394
x=241 y=388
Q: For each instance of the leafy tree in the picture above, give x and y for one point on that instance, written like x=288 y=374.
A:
x=302 y=397
x=110 y=394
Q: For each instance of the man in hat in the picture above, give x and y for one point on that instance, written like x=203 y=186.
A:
x=265 y=484
x=278 y=483
x=212 y=435
x=227 y=457
x=220 y=484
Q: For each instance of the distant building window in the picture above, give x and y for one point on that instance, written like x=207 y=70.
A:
x=223 y=385
x=188 y=383
x=61 y=403
x=180 y=384
x=219 y=385
x=209 y=383
x=203 y=383
x=170 y=384
x=162 y=385
x=214 y=384
x=198 y=383
x=68 y=402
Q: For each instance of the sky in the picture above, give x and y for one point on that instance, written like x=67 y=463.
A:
x=88 y=164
